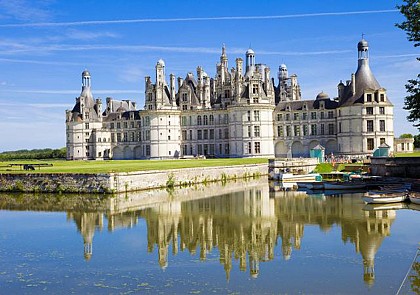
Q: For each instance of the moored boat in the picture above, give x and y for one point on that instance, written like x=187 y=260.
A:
x=344 y=185
x=290 y=177
x=414 y=198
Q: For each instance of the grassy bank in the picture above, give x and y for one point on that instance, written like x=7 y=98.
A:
x=406 y=155
x=60 y=166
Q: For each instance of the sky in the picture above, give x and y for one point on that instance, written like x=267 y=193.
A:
x=46 y=44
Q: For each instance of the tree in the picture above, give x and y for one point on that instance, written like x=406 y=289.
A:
x=411 y=11
x=406 y=135
x=417 y=141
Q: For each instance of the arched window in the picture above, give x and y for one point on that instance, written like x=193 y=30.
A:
x=199 y=120
x=211 y=120
x=206 y=120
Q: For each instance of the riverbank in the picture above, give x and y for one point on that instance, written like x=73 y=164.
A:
x=108 y=183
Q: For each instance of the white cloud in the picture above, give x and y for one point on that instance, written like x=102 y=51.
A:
x=25 y=10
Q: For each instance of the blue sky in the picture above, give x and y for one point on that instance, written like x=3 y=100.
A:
x=46 y=44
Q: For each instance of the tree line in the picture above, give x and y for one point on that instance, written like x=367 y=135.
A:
x=34 y=154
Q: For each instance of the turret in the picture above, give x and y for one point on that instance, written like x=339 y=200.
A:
x=250 y=59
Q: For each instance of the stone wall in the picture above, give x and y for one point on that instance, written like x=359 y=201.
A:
x=399 y=167
x=124 y=182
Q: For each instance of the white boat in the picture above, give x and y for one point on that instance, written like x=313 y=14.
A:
x=290 y=177
x=385 y=198
x=414 y=198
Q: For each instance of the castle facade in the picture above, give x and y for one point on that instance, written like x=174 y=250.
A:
x=238 y=113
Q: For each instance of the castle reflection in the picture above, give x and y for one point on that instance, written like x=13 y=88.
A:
x=243 y=222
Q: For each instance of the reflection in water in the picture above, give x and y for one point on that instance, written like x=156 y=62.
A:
x=243 y=225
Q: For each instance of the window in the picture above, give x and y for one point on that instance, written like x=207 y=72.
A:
x=206 y=134
x=112 y=125
x=296 y=116
x=287 y=117
x=305 y=130
x=191 y=136
x=118 y=137
x=257 y=147
x=369 y=111
x=125 y=137
x=305 y=116
x=382 y=97
x=382 y=125
x=147 y=134
x=382 y=110
x=370 y=144
x=330 y=129
x=227 y=93
x=322 y=115
x=220 y=134
x=382 y=140
x=184 y=107
x=255 y=88
x=369 y=97
x=199 y=134
x=280 y=130
x=206 y=120
x=211 y=120
x=125 y=125
x=279 y=117
x=183 y=121
x=147 y=150
x=249 y=131
x=184 y=134
x=249 y=116
x=226 y=133
x=313 y=115
x=322 y=129
x=131 y=136
x=369 y=125
x=255 y=99
x=87 y=115
x=402 y=146
x=256 y=115
x=330 y=114
x=132 y=124
x=184 y=97
x=87 y=125
x=199 y=122
x=296 y=130
x=288 y=131
x=211 y=133
x=249 y=148
x=257 y=131
x=313 y=129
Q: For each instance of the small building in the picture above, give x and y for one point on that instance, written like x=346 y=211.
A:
x=318 y=152
x=382 y=150
x=403 y=145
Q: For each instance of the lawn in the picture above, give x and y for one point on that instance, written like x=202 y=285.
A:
x=405 y=155
x=62 y=166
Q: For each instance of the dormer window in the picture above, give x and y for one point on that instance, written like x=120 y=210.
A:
x=369 y=97
x=382 y=97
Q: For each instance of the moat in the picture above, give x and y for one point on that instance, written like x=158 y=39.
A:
x=242 y=237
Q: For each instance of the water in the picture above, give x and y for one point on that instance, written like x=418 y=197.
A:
x=240 y=238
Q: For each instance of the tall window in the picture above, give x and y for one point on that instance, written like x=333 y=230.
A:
x=199 y=134
x=322 y=129
x=279 y=117
x=305 y=130
x=184 y=97
x=369 y=111
x=249 y=131
x=256 y=115
x=313 y=129
x=280 y=130
x=288 y=131
x=296 y=130
x=382 y=110
x=249 y=116
x=257 y=147
x=249 y=145
x=313 y=115
x=199 y=122
x=369 y=97
x=183 y=120
x=330 y=114
x=382 y=97
x=206 y=120
x=369 y=125
x=206 y=134
x=370 y=143
x=287 y=117
x=257 y=131
x=296 y=116
x=305 y=116
x=211 y=120
x=382 y=125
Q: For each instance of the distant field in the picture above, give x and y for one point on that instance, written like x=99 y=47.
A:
x=61 y=166
x=414 y=154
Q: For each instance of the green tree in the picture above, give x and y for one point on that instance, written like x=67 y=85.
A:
x=417 y=141
x=411 y=10
x=406 y=135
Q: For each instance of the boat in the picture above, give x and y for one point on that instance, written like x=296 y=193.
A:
x=414 y=198
x=312 y=185
x=290 y=177
x=344 y=185
x=385 y=198
x=392 y=188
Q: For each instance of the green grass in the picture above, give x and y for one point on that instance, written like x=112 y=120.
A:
x=405 y=155
x=61 y=166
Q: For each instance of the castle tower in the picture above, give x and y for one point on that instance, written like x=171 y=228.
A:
x=250 y=59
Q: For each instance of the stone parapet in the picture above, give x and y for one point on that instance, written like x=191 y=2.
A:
x=398 y=167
